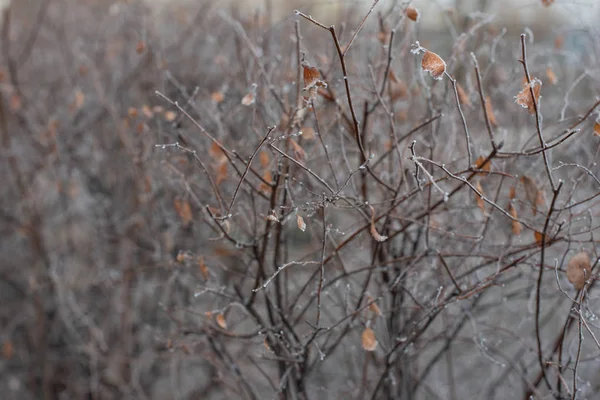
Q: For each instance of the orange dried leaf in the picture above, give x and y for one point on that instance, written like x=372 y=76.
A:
x=203 y=268
x=300 y=222
x=217 y=97
x=267 y=176
x=184 y=210
x=539 y=237
x=463 y=97
x=373 y=307
x=482 y=165
x=170 y=116
x=597 y=129
x=308 y=132
x=368 y=340
x=147 y=111
x=516 y=225
x=221 y=173
x=412 y=13
x=480 y=201
x=512 y=193
x=433 y=64
x=551 y=76
x=248 y=99
x=312 y=76
x=220 y=318
x=490 y=111
x=579 y=270
x=524 y=98
x=263 y=157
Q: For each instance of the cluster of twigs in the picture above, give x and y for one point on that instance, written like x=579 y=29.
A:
x=350 y=215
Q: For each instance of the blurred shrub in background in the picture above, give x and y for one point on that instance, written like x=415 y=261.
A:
x=201 y=201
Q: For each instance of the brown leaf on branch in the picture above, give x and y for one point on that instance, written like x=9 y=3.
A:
x=300 y=222
x=579 y=270
x=597 y=129
x=478 y=198
x=220 y=318
x=524 y=98
x=516 y=225
x=412 y=13
x=434 y=64
x=368 y=340
x=463 y=97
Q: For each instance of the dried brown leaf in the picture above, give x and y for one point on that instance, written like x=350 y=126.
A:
x=220 y=318
x=299 y=152
x=483 y=165
x=524 y=98
x=170 y=116
x=217 y=97
x=412 y=13
x=203 y=268
x=368 y=340
x=300 y=222
x=434 y=64
x=597 y=129
x=373 y=307
x=479 y=199
x=579 y=270
x=248 y=99
x=539 y=237
x=516 y=225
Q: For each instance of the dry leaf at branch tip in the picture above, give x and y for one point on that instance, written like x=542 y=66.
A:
x=579 y=269
x=433 y=64
x=524 y=98
x=373 y=307
x=412 y=13
x=220 y=318
x=376 y=235
x=516 y=225
x=480 y=201
x=300 y=222
x=368 y=340
x=597 y=129
x=490 y=111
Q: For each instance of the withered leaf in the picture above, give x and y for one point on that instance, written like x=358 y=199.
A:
x=368 y=340
x=579 y=269
x=524 y=98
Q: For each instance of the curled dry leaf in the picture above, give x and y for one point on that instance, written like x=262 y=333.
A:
x=376 y=235
x=250 y=97
x=490 y=111
x=524 y=98
x=368 y=340
x=412 y=13
x=300 y=222
x=433 y=64
x=516 y=225
x=312 y=80
x=597 y=129
x=373 y=307
x=480 y=201
x=579 y=270
x=220 y=318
